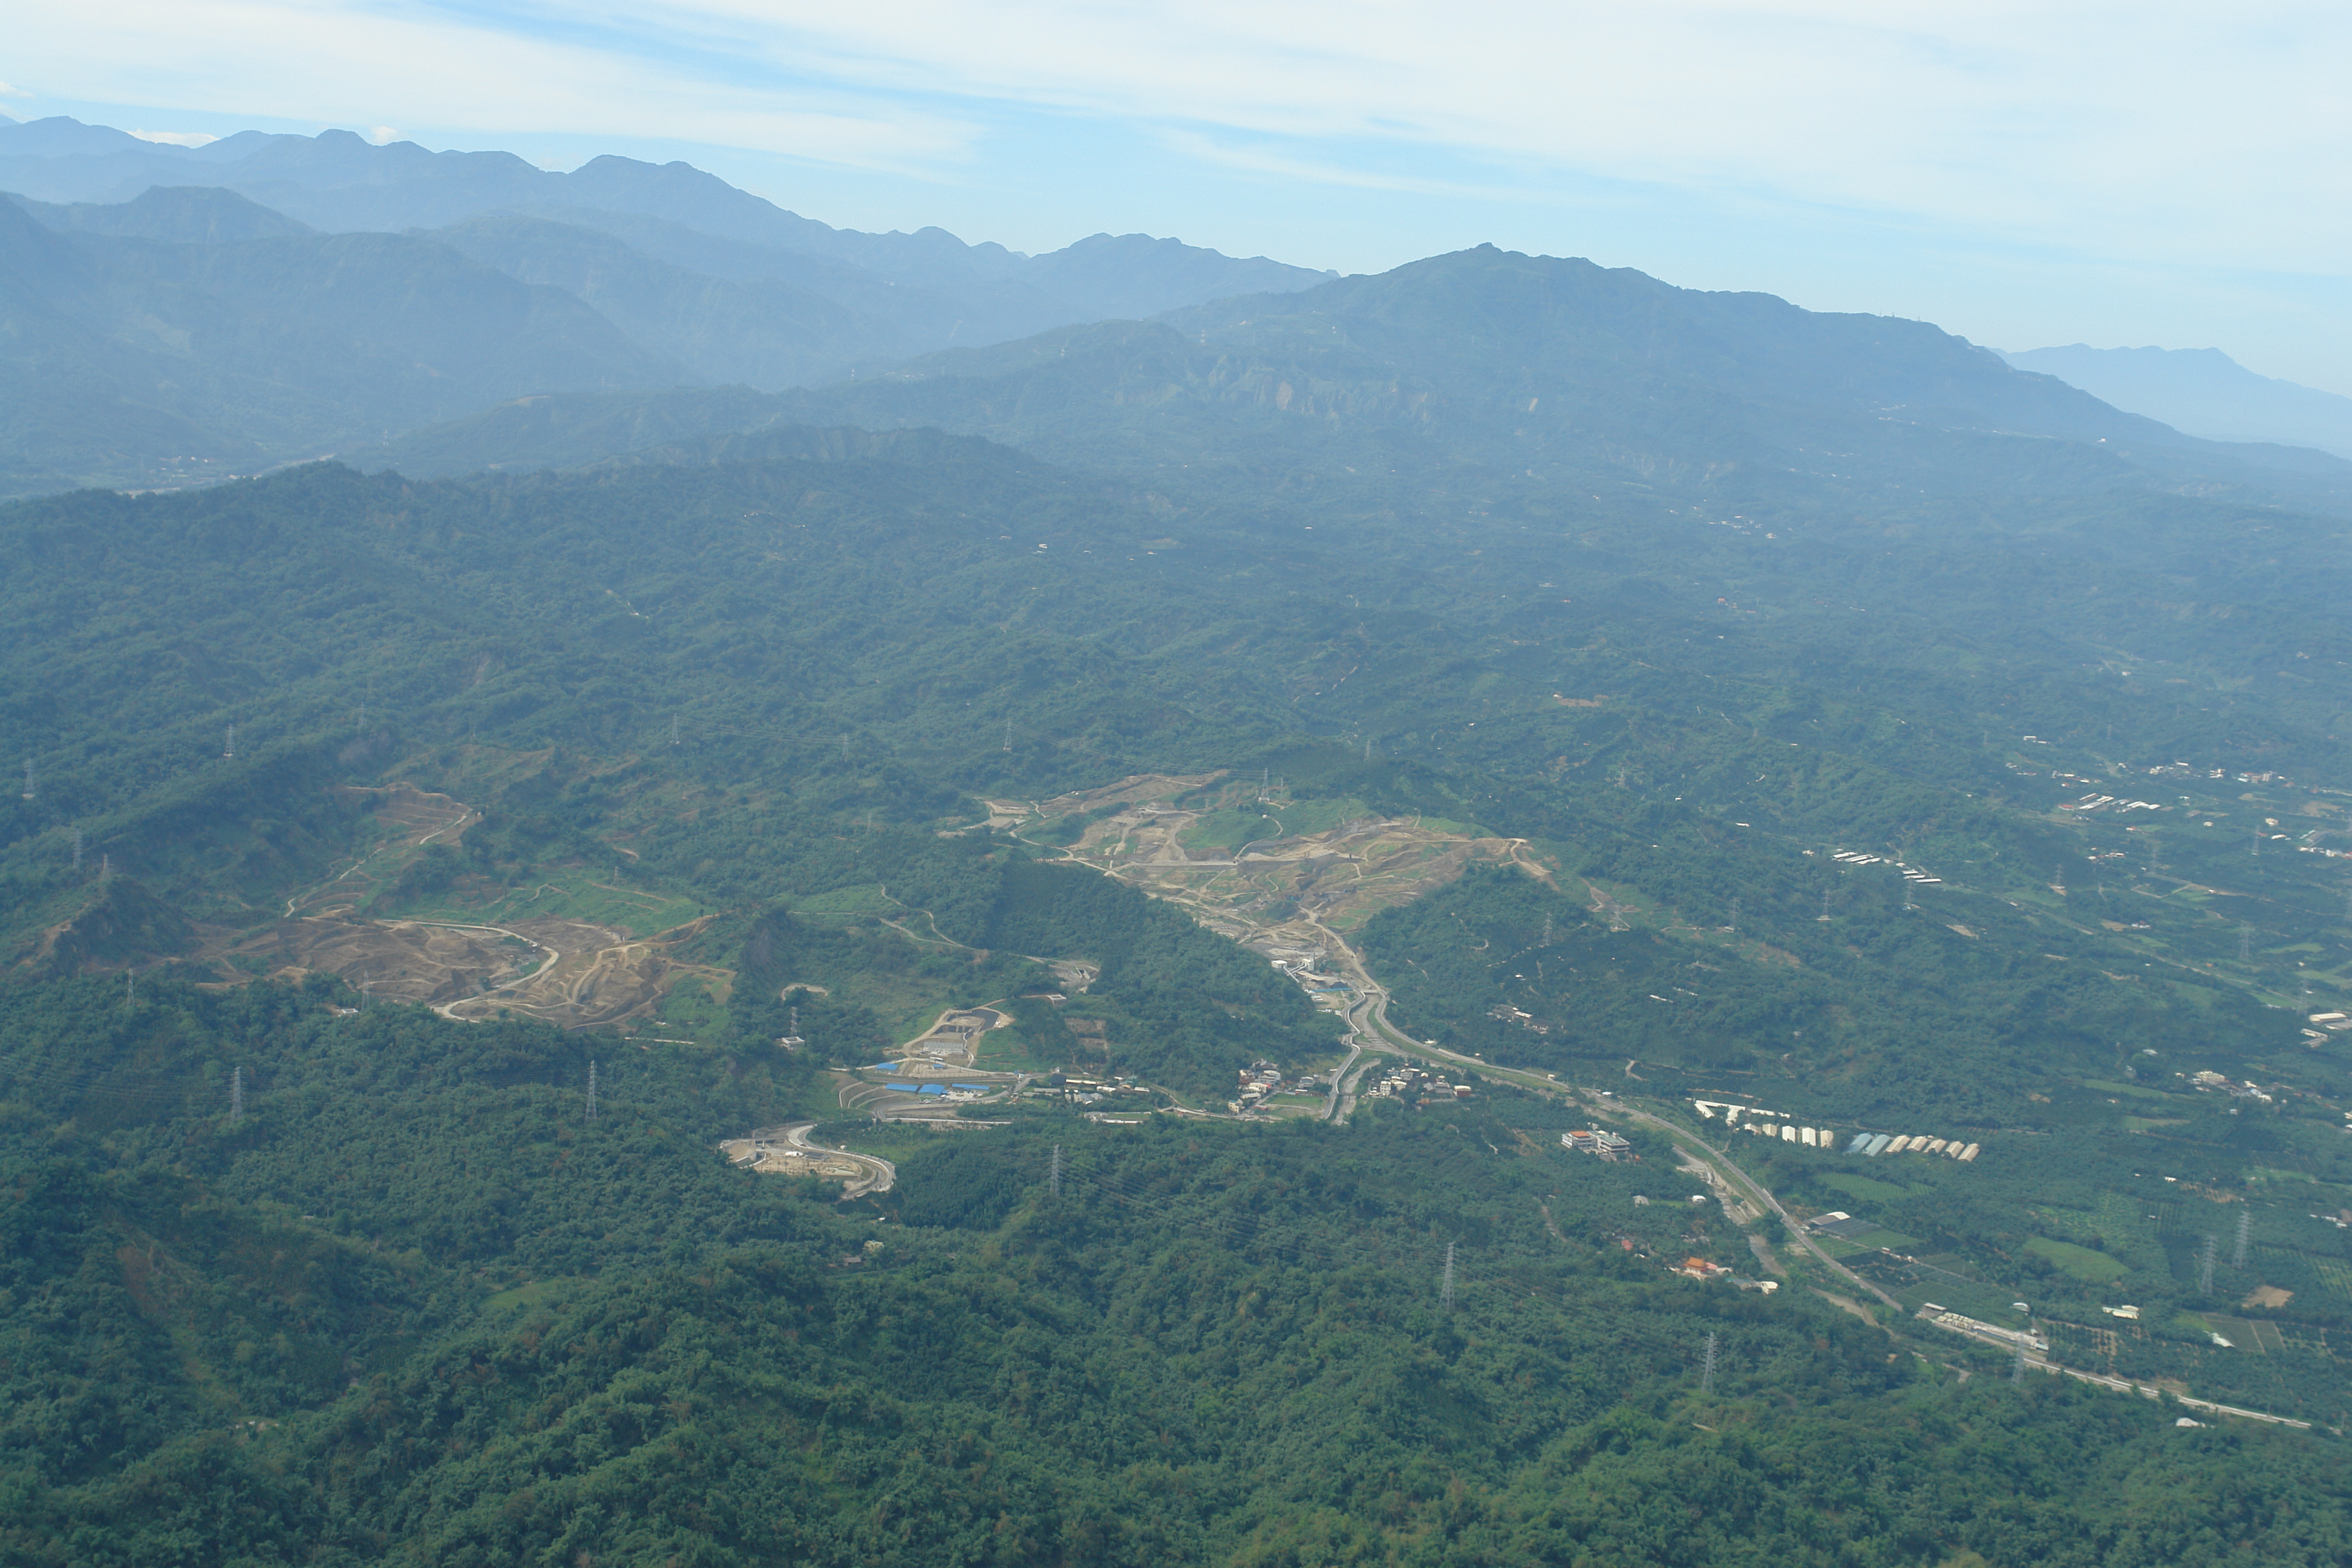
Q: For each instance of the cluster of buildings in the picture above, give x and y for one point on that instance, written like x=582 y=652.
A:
x=1260 y=1081
x=1525 y=1020
x=1910 y=873
x=1877 y=1143
x=1708 y=1110
x=1420 y=1084
x=1608 y=1145
x=1790 y=1132
x=1073 y=1090
x=2207 y=1082
x=2109 y=803
x=1763 y=1123
x=1298 y=963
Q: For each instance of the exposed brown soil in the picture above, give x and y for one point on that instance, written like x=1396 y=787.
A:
x=570 y=973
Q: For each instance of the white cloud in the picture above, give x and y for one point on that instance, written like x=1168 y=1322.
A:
x=339 y=62
x=2158 y=129
x=2191 y=130
x=177 y=138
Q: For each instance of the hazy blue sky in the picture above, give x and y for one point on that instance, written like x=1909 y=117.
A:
x=2024 y=175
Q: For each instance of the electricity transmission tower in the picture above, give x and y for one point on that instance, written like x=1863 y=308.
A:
x=2245 y=1223
x=1446 y=1292
x=2205 y=1266
x=591 y=1090
x=236 y=1096
x=1706 y=1375
x=1054 y=1177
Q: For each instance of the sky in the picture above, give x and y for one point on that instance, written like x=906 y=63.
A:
x=2024 y=174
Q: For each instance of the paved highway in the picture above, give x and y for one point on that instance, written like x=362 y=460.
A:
x=880 y=1173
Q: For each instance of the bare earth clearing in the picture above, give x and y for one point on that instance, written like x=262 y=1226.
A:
x=571 y=973
x=1293 y=897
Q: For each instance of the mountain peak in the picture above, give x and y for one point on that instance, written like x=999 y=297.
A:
x=178 y=214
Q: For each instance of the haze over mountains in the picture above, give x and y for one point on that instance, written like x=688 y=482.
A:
x=178 y=313
x=1481 y=370
x=2203 y=391
x=1209 y=778
x=156 y=293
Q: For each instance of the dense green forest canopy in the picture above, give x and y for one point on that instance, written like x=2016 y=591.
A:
x=2012 y=813
x=415 y=1304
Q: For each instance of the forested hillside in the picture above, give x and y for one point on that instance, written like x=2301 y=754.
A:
x=1891 y=746
x=855 y=635
x=415 y=1304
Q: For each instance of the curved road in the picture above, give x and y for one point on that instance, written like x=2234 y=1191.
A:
x=880 y=1177
x=1373 y=1012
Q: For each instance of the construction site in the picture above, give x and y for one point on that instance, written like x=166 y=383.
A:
x=522 y=955
x=1290 y=880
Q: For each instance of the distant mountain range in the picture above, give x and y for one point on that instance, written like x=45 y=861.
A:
x=2203 y=391
x=174 y=310
x=173 y=314
x=1479 y=373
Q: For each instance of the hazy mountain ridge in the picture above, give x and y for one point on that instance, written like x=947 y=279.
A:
x=2203 y=391
x=176 y=215
x=682 y=278
x=338 y=180
x=1540 y=374
x=135 y=357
